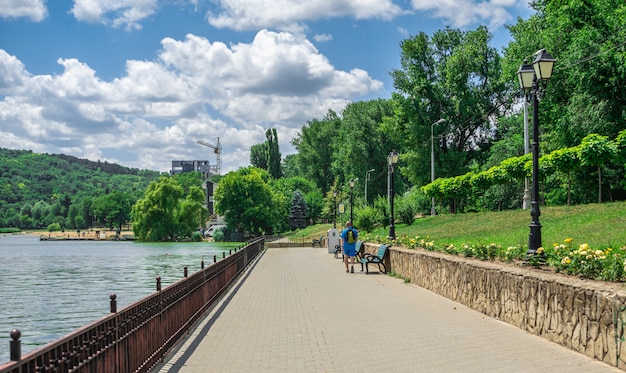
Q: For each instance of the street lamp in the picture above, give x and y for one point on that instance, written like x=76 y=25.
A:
x=533 y=79
x=335 y=209
x=367 y=178
x=392 y=160
x=351 y=209
x=432 y=161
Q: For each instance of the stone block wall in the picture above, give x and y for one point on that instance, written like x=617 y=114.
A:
x=584 y=315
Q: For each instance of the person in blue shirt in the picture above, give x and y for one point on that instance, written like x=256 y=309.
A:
x=349 y=248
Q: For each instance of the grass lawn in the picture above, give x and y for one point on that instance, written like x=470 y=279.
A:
x=599 y=225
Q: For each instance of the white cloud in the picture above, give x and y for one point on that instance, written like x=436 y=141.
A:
x=323 y=38
x=116 y=13
x=194 y=90
x=462 y=13
x=33 y=9
x=287 y=14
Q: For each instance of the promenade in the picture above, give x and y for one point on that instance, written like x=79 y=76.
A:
x=297 y=310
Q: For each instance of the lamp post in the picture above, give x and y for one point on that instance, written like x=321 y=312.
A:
x=335 y=209
x=392 y=160
x=432 y=161
x=367 y=178
x=351 y=209
x=533 y=79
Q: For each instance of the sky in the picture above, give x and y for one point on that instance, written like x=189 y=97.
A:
x=139 y=82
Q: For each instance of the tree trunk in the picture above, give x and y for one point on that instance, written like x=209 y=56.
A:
x=599 y=184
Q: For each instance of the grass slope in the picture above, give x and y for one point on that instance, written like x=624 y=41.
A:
x=599 y=225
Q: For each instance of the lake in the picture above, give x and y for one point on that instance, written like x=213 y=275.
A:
x=50 y=288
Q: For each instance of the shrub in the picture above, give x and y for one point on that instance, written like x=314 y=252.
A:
x=54 y=227
x=196 y=236
x=366 y=218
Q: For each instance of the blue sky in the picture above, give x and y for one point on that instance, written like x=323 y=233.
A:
x=138 y=82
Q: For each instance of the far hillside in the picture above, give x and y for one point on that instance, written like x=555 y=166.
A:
x=37 y=190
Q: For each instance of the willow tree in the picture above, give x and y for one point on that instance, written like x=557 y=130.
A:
x=167 y=211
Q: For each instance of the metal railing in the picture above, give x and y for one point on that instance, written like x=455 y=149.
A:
x=137 y=337
x=301 y=240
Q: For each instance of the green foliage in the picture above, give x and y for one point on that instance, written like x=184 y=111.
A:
x=267 y=155
x=405 y=210
x=166 y=212
x=59 y=182
x=247 y=202
x=54 y=227
x=366 y=218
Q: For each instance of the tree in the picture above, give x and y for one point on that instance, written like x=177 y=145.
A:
x=113 y=209
x=585 y=94
x=267 y=155
x=166 y=212
x=596 y=150
x=298 y=211
x=246 y=201
x=454 y=75
x=315 y=145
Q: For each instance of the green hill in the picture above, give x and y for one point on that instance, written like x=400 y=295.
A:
x=56 y=181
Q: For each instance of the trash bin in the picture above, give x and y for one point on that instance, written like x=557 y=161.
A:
x=333 y=240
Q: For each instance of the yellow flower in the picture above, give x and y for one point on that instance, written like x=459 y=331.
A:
x=540 y=250
x=584 y=246
x=568 y=240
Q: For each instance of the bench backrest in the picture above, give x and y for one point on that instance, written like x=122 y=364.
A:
x=382 y=249
x=359 y=246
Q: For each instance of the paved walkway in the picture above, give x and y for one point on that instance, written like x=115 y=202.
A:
x=297 y=310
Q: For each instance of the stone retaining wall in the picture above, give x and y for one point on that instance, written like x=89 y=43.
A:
x=584 y=315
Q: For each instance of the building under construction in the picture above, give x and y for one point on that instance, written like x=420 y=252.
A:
x=203 y=167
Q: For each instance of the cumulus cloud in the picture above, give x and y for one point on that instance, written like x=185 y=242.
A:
x=116 y=13
x=285 y=15
x=194 y=89
x=33 y=9
x=462 y=13
x=320 y=38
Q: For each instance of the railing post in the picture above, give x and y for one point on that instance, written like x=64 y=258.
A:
x=16 y=345
x=202 y=263
x=230 y=252
x=214 y=258
x=158 y=279
x=113 y=298
x=185 y=272
x=223 y=254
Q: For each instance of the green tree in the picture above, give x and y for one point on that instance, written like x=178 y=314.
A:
x=267 y=155
x=113 y=209
x=245 y=199
x=298 y=212
x=166 y=212
x=315 y=144
x=454 y=75
x=596 y=150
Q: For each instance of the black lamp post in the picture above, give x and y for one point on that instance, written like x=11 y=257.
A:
x=392 y=160
x=533 y=79
x=335 y=209
x=352 y=187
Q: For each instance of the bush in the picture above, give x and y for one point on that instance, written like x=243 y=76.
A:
x=219 y=235
x=10 y=230
x=406 y=211
x=196 y=236
x=366 y=218
x=54 y=227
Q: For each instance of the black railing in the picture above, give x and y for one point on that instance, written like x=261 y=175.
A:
x=137 y=337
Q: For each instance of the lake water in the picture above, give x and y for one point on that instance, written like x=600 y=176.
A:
x=50 y=288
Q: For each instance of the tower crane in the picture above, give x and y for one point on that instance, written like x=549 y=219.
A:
x=217 y=149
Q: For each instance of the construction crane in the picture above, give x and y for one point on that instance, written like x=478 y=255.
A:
x=217 y=149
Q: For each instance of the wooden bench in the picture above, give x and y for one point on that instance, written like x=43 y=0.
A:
x=317 y=242
x=377 y=259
